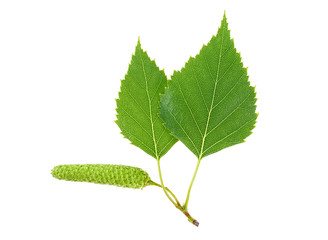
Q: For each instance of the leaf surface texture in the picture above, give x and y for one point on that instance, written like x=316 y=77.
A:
x=138 y=106
x=209 y=105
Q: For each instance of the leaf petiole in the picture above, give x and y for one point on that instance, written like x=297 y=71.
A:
x=176 y=203
x=162 y=184
x=168 y=190
x=185 y=206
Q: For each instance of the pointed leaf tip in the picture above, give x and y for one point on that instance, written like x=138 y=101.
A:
x=224 y=22
x=138 y=46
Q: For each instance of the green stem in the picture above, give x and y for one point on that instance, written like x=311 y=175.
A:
x=167 y=189
x=176 y=204
x=162 y=184
x=185 y=206
x=175 y=198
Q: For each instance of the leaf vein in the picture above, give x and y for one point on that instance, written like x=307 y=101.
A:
x=139 y=141
x=165 y=146
x=229 y=134
x=213 y=96
x=183 y=131
x=192 y=114
x=150 y=108
x=138 y=104
x=229 y=114
x=157 y=89
x=136 y=121
x=208 y=68
x=201 y=93
x=160 y=136
x=229 y=92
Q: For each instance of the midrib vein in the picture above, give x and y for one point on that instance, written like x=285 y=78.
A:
x=213 y=96
x=150 y=109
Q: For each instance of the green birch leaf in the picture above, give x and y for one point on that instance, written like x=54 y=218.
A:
x=138 y=104
x=209 y=105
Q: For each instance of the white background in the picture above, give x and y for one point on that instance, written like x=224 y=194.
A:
x=60 y=68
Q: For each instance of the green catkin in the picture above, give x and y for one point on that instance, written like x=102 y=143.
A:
x=117 y=175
